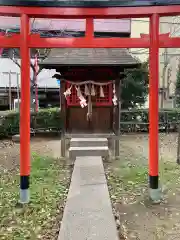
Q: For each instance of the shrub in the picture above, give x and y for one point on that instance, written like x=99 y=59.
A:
x=45 y=119
x=134 y=120
x=49 y=120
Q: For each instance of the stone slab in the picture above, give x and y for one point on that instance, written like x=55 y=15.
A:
x=90 y=135
x=88 y=212
x=88 y=151
x=89 y=139
x=88 y=142
x=89 y=148
x=16 y=138
x=89 y=171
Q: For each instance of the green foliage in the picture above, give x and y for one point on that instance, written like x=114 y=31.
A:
x=135 y=87
x=9 y=123
x=142 y=115
x=126 y=178
x=138 y=120
x=177 y=92
x=50 y=120
x=45 y=119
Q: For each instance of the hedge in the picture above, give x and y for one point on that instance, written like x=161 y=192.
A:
x=48 y=120
x=138 y=120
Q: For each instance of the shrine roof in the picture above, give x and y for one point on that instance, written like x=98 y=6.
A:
x=87 y=3
x=88 y=56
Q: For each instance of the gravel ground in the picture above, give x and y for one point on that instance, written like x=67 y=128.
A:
x=139 y=219
x=10 y=152
x=136 y=216
x=140 y=144
x=41 y=218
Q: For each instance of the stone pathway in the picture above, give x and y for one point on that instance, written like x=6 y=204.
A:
x=88 y=212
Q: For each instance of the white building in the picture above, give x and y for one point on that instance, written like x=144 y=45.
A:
x=10 y=83
x=8 y=67
x=168 y=58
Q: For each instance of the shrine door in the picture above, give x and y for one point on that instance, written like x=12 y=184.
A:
x=102 y=112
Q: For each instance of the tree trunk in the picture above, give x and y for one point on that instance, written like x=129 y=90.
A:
x=33 y=106
x=178 y=146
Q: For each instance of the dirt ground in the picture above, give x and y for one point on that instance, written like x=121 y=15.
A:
x=136 y=216
x=10 y=151
x=139 y=144
x=44 y=213
x=139 y=218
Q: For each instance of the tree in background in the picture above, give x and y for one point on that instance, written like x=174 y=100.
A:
x=135 y=86
x=14 y=55
x=177 y=90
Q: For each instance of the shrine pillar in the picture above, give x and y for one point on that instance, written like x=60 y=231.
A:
x=63 y=119
x=154 y=109
x=117 y=118
x=25 y=112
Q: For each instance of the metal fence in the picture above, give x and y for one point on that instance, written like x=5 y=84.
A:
x=138 y=120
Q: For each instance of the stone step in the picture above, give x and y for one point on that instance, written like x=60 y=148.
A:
x=90 y=135
x=102 y=151
x=88 y=142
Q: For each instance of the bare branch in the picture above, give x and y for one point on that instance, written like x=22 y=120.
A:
x=47 y=52
x=39 y=71
x=16 y=62
x=11 y=56
x=15 y=52
x=32 y=66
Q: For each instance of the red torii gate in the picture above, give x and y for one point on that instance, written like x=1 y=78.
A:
x=25 y=40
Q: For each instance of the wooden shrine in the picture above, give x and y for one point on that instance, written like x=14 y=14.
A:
x=89 y=87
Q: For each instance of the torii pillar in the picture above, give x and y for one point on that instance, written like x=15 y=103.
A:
x=154 y=109
x=25 y=111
